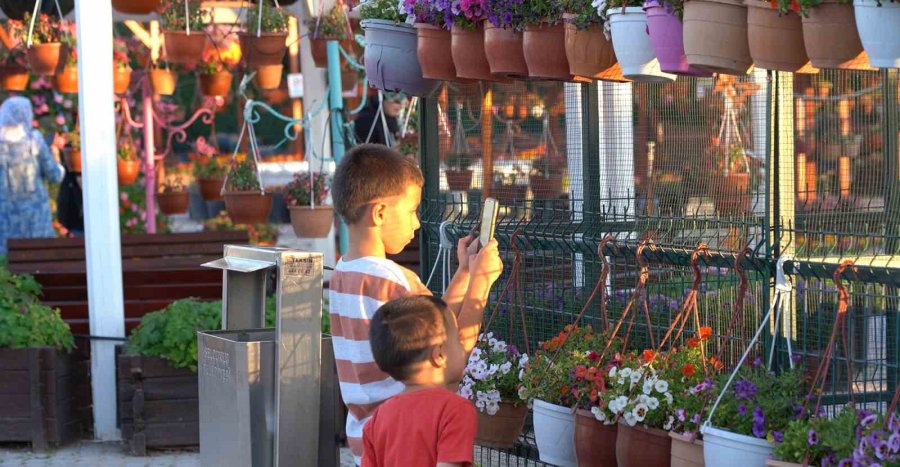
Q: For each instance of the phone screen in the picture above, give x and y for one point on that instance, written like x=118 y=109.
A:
x=488 y=220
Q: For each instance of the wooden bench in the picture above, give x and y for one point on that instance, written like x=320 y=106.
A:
x=156 y=270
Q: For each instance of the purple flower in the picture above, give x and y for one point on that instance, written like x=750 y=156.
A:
x=845 y=462
x=868 y=420
x=779 y=436
x=812 y=438
x=742 y=410
x=894 y=442
x=744 y=389
x=796 y=358
x=757 y=362
x=829 y=460
x=695 y=419
x=680 y=413
x=894 y=423
x=759 y=423
x=882 y=450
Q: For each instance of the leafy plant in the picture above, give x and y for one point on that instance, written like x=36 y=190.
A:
x=210 y=66
x=875 y=443
x=242 y=176
x=209 y=167
x=304 y=186
x=273 y=19
x=46 y=28
x=382 y=9
x=493 y=374
x=585 y=13
x=433 y=12
x=468 y=14
x=120 y=54
x=637 y=393
x=622 y=3
x=126 y=151
x=172 y=14
x=24 y=321
x=506 y=14
x=540 y=11
x=331 y=26
x=825 y=440
x=673 y=6
x=133 y=210
x=458 y=161
x=259 y=233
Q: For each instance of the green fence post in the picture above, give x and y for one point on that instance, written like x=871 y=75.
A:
x=336 y=106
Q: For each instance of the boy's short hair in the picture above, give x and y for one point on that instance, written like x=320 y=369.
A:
x=403 y=330
x=368 y=172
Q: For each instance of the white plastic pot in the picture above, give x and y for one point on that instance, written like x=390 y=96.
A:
x=879 y=31
x=554 y=433
x=726 y=449
x=633 y=47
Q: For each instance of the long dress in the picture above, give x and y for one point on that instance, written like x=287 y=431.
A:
x=25 y=164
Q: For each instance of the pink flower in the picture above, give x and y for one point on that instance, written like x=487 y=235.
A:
x=123 y=196
x=41 y=109
x=67 y=104
x=58 y=98
x=60 y=120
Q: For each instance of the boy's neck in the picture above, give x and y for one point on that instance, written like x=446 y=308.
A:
x=364 y=242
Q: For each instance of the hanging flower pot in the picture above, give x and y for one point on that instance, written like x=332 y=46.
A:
x=44 y=59
x=182 y=47
x=595 y=443
x=312 y=222
x=590 y=54
x=686 y=452
x=163 y=81
x=666 y=37
x=502 y=429
x=13 y=78
x=831 y=38
x=546 y=187
x=633 y=47
x=877 y=23
x=776 y=39
x=434 y=52
x=216 y=84
x=392 y=63
x=459 y=180
x=318 y=48
x=210 y=188
x=469 y=58
x=121 y=80
x=726 y=449
x=72 y=159
x=269 y=76
x=135 y=7
x=248 y=207
x=66 y=81
x=732 y=194
x=715 y=36
x=267 y=49
x=639 y=446
x=128 y=170
x=503 y=48
x=173 y=202
x=554 y=431
x=544 y=46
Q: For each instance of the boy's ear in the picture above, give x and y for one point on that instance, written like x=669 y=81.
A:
x=438 y=357
x=377 y=213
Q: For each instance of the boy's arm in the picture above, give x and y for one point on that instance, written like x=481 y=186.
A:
x=456 y=289
x=485 y=268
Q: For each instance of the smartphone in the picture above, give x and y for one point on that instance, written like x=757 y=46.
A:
x=488 y=220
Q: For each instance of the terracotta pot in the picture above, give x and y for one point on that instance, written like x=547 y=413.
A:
x=503 y=48
x=435 y=52
x=715 y=36
x=248 y=207
x=163 y=81
x=66 y=81
x=686 y=452
x=269 y=76
x=210 y=188
x=590 y=54
x=216 y=84
x=637 y=446
x=121 y=80
x=349 y=79
x=72 y=159
x=502 y=429
x=831 y=37
x=184 y=48
x=509 y=195
x=595 y=443
x=544 y=46
x=545 y=187
x=312 y=223
x=776 y=39
x=267 y=49
x=128 y=171
x=459 y=180
x=135 y=7
x=318 y=47
x=173 y=202
x=44 y=59
x=13 y=78
x=777 y=463
x=732 y=194
x=469 y=57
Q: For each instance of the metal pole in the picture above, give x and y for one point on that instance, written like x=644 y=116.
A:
x=336 y=105
x=149 y=155
x=103 y=255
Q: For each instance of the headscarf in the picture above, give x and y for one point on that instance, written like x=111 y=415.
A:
x=16 y=115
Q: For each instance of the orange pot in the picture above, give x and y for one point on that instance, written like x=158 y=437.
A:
x=66 y=81
x=434 y=52
x=459 y=180
x=469 y=57
x=135 y=7
x=121 y=80
x=318 y=47
x=776 y=39
x=638 y=446
x=732 y=195
x=545 y=51
x=128 y=171
x=173 y=202
x=184 y=48
x=503 y=48
x=163 y=81
x=210 y=188
x=72 y=159
x=248 y=207
x=831 y=37
x=44 y=59
x=269 y=76
x=591 y=55
x=13 y=78
x=502 y=429
x=312 y=223
x=216 y=84
x=595 y=443
x=267 y=49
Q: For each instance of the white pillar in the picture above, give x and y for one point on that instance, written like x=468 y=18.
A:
x=617 y=148
x=101 y=205
x=314 y=82
x=574 y=160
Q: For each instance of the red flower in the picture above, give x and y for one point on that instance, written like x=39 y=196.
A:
x=648 y=355
x=593 y=356
x=580 y=371
x=705 y=332
x=565 y=390
x=688 y=370
x=716 y=363
x=693 y=342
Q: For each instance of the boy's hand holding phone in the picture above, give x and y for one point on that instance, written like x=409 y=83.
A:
x=486 y=263
x=466 y=247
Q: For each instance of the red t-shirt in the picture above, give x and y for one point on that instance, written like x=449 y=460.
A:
x=420 y=428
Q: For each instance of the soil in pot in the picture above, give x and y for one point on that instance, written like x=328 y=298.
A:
x=269 y=76
x=66 y=81
x=502 y=429
x=459 y=180
x=732 y=194
x=163 y=81
x=210 y=188
x=637 y=446
x=44 y=59
x=128 y=170
x=121 y=80
x=666 y=36
x=686 y=452
x=175 y=202
x=776 y=39
x=590 y=54
x=312 y=223
x=503 y=49
x=184 y=48
x=216 y=84
x=831 y=38
x=267 y=49
x=435 y=52
x=715 y=36
x=469 y=56
x=544 y=46
x=248 y=207
x=14 y=79
x=595 y=443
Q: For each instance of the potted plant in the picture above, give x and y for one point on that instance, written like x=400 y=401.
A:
x=46 y=51
x=776 y=37
x=819 y=440
x=693 y=396
x=13 y=71
x=504 y=35
x=215 y=78
x=544 y=40
x=163 y=79
x=172 y=196
x=264 y=41
x=459 y=176
x=874 y=441
x=121 y=66
x=209 y=170
x=128 y=162
x=670 y=193
x=509 y=187
x=65 y=81
x=72 y=151
x=666 y=36
x=305 y=196
x=829 y=33
x=545 y=179
x=732 y=194
x=467 y=41
x=876 y=21
x=493 y=382
x=182 y=24
x=245 y=200
x=136 y=7
x=391 y=60
x=434 y=49
x=628 y=26
x=725 y=20
x=330 y=27
x=595 y=425
x=589 y=52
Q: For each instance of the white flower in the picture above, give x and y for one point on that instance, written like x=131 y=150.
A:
x=521 y=374
x=523 y=360
x=640 y=412
x=643 y=399
x=635 y=377
x=648 y=387
x=612 y=372
x=480 y=404
x=494 y=368
x=500 y=346
x=599 y=414
x=465 y=391
x=493 y=408
x=668 y=424
x=618 y=404
x=504 y=368
x=630 y=419
x=522 y=392
x=662 y=386
x=668 y=398
x=652 y=403
x=625 y=372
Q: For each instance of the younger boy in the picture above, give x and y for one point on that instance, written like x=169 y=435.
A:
x=414 y=339
x=377 y=193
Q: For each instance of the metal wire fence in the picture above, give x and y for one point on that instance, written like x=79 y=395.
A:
x=804 y=166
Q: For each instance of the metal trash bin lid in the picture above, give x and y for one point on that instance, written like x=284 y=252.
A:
x=232 y=263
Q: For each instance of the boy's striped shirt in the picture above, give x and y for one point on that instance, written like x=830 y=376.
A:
x=357 y=289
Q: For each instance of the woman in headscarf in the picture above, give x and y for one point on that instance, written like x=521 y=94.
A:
x=25 y=164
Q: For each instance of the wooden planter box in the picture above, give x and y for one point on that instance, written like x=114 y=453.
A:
x=45 y=396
